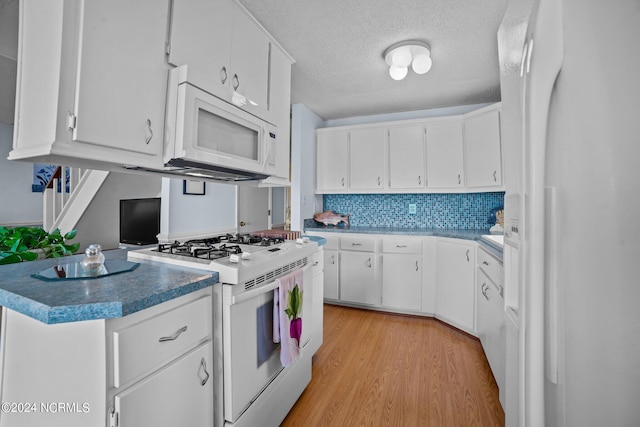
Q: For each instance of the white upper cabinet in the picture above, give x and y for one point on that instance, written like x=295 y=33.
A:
x=407 y=168
x=92 y=83
x=332 y=160
x=482 y=149
x=120 y=120
x=367 y=158
x=438 y=154
x=226 y=51
x=200 y=38
x=445 y=165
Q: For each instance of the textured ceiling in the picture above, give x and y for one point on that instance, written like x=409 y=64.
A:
x=338 y=46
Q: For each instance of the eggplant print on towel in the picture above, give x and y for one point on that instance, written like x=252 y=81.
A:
x=287 y=325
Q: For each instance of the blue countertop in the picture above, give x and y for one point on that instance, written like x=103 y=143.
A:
x=107 y=297
x=475 y=234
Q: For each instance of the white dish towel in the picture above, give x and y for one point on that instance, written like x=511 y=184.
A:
x=287 y=316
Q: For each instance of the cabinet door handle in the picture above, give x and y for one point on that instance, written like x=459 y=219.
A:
x=416 y=265
x=419 y=180
x=174 y=336
x=149 y=132
x=495 y=178
x=203 y=365
x=459 y=179
x=369 y=262
x=485 y=263
x=378 y=181
x=333 y=259
x=236 y=82
x=343 y=182
x=315 y=263
x=467 y=255
x=223 y=75
x=485 y=288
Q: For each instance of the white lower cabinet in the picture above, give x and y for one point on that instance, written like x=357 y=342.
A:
x=358 y=282
x=331 y=267
x=455 y=271
x=160 y=364
x=317 y=312
x=491 y=322
x=179 y=394
x=425 y=275
x=402 y=281
x=402 y=273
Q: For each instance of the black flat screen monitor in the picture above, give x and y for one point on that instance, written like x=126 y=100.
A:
x=139 y=221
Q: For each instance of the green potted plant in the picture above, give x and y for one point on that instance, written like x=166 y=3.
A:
x=20 y=244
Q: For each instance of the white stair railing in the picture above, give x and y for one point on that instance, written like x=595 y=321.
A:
x=67 y=195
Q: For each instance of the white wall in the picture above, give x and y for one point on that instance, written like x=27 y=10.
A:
x=405 y=115
x=185 y=215
x=19 y=205
x=304 y=201
x=100 y=223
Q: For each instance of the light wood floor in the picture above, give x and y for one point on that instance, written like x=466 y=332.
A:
x=380 y=369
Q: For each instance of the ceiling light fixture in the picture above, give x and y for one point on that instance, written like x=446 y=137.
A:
x=411 y=52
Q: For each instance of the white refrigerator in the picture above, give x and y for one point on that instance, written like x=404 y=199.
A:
x=570 y=82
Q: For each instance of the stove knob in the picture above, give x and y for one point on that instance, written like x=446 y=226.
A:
x=234 y=258
x=246 y=255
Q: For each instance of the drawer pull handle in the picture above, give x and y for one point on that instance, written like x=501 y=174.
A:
x=485 y=263
x=401 y=246
x=315 y=263
x=203 y=365
x=356 y=244
x=174 y=336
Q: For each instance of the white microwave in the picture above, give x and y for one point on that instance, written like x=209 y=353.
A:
x=205 y=133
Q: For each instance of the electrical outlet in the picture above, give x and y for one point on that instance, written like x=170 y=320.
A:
x=412 y=209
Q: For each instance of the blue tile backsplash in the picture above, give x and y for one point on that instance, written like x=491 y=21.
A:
x=433 y=210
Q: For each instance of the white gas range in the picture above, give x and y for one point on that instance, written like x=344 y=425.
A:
x=238 y=259
x=252 y=387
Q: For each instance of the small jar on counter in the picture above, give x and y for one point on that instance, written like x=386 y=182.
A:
x=94 y=259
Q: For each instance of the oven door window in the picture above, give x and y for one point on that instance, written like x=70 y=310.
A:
x=264 y=333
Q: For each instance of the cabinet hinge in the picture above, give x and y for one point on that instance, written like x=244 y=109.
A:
x=113 y=417
x=167 y=49
x=71 y=122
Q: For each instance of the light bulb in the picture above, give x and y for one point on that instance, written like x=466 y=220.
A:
x=421 y=64
x=401 y=57
x=398 y=73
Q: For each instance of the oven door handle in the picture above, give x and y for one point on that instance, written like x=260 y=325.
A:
x=251 y=293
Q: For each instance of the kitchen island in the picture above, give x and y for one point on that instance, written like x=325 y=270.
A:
x=86 y=352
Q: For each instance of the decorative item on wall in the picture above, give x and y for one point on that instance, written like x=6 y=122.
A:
x=331 y=218
x=42 y=174
x=190 y=186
